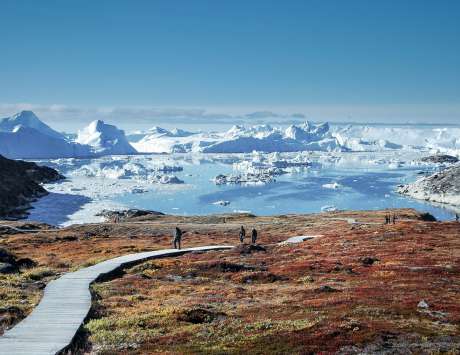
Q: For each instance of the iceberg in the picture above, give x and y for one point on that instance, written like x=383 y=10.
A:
x=28 y=119
x=28 y=143
x=25 y=136
x=105 y=139
x=240 y=139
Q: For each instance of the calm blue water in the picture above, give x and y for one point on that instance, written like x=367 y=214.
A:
x=362 y=189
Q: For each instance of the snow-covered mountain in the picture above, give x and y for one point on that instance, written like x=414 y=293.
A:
x=105 y=139
x=28 y=143
x=28 y=119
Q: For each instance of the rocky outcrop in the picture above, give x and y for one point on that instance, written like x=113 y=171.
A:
x=9 y=263
x=127 y=214
x=441 y=187
x=20 y=183
x=440 y=159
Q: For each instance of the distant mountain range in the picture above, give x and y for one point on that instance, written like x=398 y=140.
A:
x=25 y=136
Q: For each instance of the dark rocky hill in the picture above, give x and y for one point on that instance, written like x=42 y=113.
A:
x=20 y=183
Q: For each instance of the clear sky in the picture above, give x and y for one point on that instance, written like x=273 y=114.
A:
x=392 y=60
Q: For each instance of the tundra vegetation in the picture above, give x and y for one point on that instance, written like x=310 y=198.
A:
x=360 y=287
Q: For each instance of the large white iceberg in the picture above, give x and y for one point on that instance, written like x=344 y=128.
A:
x=239 y=139
x=105 y=139
x=28 y=119
x=25 y=136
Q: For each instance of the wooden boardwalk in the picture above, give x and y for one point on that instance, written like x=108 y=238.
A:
x=298 y=239
x=53 y=324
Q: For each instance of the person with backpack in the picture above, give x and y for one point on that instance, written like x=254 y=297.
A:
x=177 y=237
x=242 y=234
x=254 y=236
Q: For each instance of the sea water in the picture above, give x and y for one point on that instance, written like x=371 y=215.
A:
x=346 y=184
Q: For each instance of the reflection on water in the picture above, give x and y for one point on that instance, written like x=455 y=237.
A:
x=56 y=208
x=359 y=189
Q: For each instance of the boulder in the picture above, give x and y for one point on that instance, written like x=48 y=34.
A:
x=199 y=315
x=368 y=260
x=249 y=248
x=326 y=289
x=6 y=268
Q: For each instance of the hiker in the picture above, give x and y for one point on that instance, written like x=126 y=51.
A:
x=457 y=217
x=254 y=236
x=177 y=236
x=242 y=234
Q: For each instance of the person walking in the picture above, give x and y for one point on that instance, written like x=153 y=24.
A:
x=253 y=236
x=177 y=236
x=457 y=217
x=242 y=234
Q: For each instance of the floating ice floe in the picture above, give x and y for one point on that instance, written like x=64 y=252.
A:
x=243 y=179
x=332 y=186
x=130 y=169
x=165 y=179
x=221 y=203
x=328 y=208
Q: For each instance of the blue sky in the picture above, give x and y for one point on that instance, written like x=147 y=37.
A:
x=339 y=60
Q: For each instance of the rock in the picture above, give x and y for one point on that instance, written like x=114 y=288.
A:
x=199 y=315
x=12 y=310
x=9 y=263
x=441 y=187
x=262 y=277
x=20 y=183
x=7 y=257
x=423 y=304
x=26 y=263
x=368 y=260
x=23 y=228
x=327 y=289
x=39 y=285
x=223 y=266
x=127 y=214
x=249 y=248
x=440 y=158
x=428 y=217
x=6 y=268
